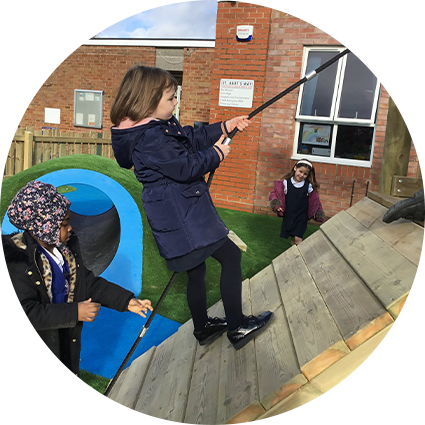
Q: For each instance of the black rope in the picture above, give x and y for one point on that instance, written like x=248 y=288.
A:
x=141 y=335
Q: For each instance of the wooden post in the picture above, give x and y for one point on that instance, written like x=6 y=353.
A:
x=28 y=141
x=396 y=149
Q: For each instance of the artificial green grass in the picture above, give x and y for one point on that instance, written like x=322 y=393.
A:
x=259 y=232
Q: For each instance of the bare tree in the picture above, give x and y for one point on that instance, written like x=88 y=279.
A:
x=12 y=23
x=63 y=18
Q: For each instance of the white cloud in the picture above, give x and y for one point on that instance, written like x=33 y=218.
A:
x=192 y=19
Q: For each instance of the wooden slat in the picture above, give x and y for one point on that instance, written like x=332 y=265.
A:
x=10 y=161
x=356 y=378
x=151 y=387
x=176 y=382
x=238 y=391
x=278 y=370
x=46 y=151
x=116 y=388
x=386 y=272
x=356 y=311
x=403 y=235
x=317 y=341
x=385 y=200
x=203 y=394
x=28 y=143
x=19 y=157
x=134 y=379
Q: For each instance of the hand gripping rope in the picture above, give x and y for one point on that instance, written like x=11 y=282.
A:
x=228 y=140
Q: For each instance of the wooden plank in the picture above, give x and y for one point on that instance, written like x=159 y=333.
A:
x=134 y=379
x=28 y=142
x=176 y=381
x=278 y=370
x=238 y=392
x=152 y=386
x=405 y=186
x=203 y=393
x=403 y=235
x=46 y=151
x=356 y=311
x=355 y=379
x=10 y=161
x=264 y=291
x=386 y=272
x=385 y=200
x=116 y=388
x=317 y=340
x=19 y=157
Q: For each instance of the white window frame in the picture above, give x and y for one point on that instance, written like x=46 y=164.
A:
x=333 y=119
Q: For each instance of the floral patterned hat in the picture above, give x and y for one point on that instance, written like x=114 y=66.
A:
x=40 y=209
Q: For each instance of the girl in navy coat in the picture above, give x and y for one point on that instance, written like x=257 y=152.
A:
x=171 y=161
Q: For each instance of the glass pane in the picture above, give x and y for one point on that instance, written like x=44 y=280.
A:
x=354 y=142
x=318 y=92
x=315 y=139
x=358 y=90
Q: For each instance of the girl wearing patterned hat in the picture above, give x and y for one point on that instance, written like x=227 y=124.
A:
x=296 y=199
x=54 y=287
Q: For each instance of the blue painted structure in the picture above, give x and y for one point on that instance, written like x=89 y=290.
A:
x=126 y=267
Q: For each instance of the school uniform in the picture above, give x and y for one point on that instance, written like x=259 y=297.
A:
x=299 y=203
x=50 y=297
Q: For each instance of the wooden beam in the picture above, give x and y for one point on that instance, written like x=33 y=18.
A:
x=401 y=31
x=405 y=187
x=355 y=379
x=395 y=161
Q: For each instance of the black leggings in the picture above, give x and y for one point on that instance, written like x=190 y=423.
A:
x=229 y=256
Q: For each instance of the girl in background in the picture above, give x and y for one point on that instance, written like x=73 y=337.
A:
x=296 y=199
x=171 y=161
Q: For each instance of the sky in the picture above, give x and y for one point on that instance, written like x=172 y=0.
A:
x=157 y=23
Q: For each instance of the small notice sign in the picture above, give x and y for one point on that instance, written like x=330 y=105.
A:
x=236 y=93
x=25 y=58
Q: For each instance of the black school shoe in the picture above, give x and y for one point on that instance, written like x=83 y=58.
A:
x=410 y=209
x=214 y=328
x=251 y=327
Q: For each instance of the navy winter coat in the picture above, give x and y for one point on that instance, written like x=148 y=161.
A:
x=170 y=161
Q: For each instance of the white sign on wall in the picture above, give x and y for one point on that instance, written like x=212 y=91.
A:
x=236 y=93
x=52 y=115
x=25 y=58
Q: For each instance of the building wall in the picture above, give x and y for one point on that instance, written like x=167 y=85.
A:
x=274 y=60
x=196 y=88
x=88 y=68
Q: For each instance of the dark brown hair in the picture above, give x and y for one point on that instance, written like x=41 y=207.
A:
x=311 y=178
x=140 y=92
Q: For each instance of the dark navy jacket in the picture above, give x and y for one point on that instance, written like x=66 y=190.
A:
x=170 y=161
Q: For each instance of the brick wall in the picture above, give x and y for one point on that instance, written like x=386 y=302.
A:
x=4 y=82
x=88 y=68
x=235 y=180
x=275 y=61
x=196 y=88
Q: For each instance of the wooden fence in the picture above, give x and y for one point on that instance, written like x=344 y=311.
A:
x=33 y=147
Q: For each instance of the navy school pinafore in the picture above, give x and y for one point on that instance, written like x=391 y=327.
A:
x=295 y=218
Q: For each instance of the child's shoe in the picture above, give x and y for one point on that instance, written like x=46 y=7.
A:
x=212 y=330
x=251 y=327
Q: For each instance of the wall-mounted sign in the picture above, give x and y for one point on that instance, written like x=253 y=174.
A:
x=244 y=32
x=25 y=58
x=236 y=93
x=88 y=108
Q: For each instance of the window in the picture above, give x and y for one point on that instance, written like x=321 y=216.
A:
x=336 y=112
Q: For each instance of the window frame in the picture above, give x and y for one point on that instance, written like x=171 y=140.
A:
x=333 y=119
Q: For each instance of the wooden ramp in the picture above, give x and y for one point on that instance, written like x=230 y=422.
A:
x=334 y=298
